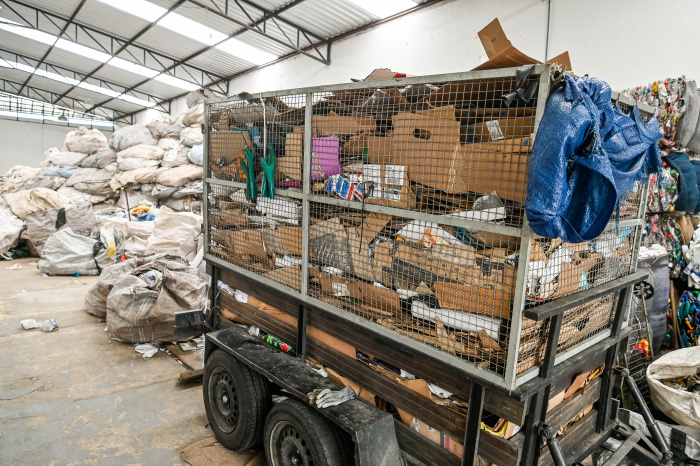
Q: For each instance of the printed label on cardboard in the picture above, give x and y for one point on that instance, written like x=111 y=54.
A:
x=340 y=290
x=494 y=129
x=392 y=194
x=394 y=175
x=372 y=174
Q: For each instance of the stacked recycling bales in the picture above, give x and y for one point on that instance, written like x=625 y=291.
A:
x=139 y=169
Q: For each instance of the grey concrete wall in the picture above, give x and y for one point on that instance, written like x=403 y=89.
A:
x=24 y=142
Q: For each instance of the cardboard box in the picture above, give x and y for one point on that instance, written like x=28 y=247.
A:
x=386 y=185
x=431 y=148
x=226 y=144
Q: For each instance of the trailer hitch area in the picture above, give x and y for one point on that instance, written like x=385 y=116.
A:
x=657 y=438
x=547 y=432
x=190 y=323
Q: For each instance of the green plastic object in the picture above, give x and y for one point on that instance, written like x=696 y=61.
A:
x=268 y=167
x=248 y=167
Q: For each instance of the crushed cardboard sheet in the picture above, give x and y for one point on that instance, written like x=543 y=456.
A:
x=209 y=452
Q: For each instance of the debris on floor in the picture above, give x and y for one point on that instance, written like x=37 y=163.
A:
x=47 y=325
x=208 y=451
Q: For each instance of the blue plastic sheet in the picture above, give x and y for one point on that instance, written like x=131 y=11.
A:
x=585 y=159
x=54 y=170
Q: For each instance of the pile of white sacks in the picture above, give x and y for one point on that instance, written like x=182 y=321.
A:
x=155 y=170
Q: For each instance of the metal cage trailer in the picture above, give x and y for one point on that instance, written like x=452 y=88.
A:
x=377 y=230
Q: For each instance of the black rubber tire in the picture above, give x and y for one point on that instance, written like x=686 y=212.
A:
x=294 y=429
x=238 y=425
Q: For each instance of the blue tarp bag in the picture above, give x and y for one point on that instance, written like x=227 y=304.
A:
x=574 y=184
x=688 y=194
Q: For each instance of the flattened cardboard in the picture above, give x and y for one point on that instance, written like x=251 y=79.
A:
x=226 y=144
x=290 y=164
x=502 y=54
x=381 y=298
x=291 y=239
x=431 y=150
x=510 y=128
x=428 y=147
x=440 y=262
x=359 y=390
x=246 y=242
x=331 y=341
x=290 y=276
x=341 y=124
x=492 y=302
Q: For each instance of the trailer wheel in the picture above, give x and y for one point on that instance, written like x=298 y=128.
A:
x=297 y=435
x=236 y=400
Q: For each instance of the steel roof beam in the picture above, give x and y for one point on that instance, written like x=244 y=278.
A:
x=218 y=82
x=338 y=37
x=104 y=41
x=131 y=41
x=63 y=31
x=36 y=93
x=313 y=40
x=74 y=75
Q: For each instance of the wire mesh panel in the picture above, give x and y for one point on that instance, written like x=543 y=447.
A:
x=403 y=204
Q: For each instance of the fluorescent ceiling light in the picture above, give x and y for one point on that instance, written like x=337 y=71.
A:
x=177 y=82
x=83 y=50
x=73 y=82
x=383 y=8
x=247 y=52
x=93 y=54
x=197 y=31
x=132 y=67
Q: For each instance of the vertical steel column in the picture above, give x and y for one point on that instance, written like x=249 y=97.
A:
x=306 y=191
x=606 y=386
x=641 y=215
x=206 y=129
x=470 y=446
x=526 y=236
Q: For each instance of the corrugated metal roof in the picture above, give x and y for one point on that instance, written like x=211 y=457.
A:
x=328 y=18
x=77 y=62
x=325 y=18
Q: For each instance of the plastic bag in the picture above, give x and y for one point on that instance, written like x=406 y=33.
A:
x=66 y=171
x=196 y=154
x=44 y=223
x=194 y=115
x=101 y=159
x=65 y=158
x=178 y=176
x=24 y=203
x=164 y=130
x=48 y=182
x=680 y=405
x=173 y=232
x=86 y=141
x=92 y=181
x=129 y=136
x=175 y=153
x=192 y=136
x=67 y=253
x=138 y=314
x=140 y=175
x=10 y=229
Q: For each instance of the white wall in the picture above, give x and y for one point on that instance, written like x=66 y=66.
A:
x=618 y=41
x=24 y=142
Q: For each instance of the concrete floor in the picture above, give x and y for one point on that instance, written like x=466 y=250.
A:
x=73 y=396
